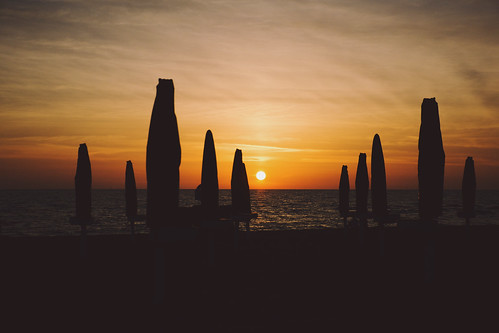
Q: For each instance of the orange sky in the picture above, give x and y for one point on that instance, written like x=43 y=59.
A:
x=300 y=87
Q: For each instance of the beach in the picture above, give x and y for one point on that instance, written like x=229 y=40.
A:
x=271 y=279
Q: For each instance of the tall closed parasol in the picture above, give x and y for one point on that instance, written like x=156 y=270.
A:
x=83 y=196
x=130 y=191
x=209 y=177
x=344 y=192
x=239 y=185
x=163 y=159
x=83 y=185
x=130 y=196
x=378 y=181
x=431 y=162
x=361 y=186
x=469 y=189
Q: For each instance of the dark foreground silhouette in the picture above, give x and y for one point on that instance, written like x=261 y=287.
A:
x=277 y=280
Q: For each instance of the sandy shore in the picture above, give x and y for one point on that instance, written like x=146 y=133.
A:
x=278 y=280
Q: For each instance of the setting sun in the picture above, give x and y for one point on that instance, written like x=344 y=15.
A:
x=260 y=175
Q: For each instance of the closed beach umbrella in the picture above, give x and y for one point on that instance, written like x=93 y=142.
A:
x=469 y=188
x=431 y=162
x=163 y=159
x=246 y=201
x=239 y=185
x=344 y=192
x=130 y=191
x=378 y=181
x=209 y=176
x=361 y=185
x=83 y=185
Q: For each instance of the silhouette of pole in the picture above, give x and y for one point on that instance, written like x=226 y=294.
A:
x=344 y=194
x=239 y=186
x=209 y=177
x=431 y=162
x=163 y=159
x=378 y=182
x=130 y=196
x=83 y=195
x=362 y=186
x=469 y=189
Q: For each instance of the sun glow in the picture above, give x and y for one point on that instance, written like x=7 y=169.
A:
x=260 y=175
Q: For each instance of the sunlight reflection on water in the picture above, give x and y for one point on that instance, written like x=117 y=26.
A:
x=47 y=212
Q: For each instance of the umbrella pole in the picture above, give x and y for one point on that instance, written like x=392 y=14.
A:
x=429 y=252
x=236 y=235
x=132 y=228
x=83 y=241
x=159 y=269
x=362 y=225
x=381 y=240
x=467 y=224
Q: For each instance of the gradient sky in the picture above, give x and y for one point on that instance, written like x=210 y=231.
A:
x=300 y=86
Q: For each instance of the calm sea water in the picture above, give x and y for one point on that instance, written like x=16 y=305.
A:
x=47 y=212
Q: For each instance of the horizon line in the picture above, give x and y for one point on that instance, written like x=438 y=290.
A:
x=251 y=189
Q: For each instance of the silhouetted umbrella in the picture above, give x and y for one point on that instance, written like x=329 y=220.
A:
x=469 y=189
x=83 y=196
x=130 y=196
x=361 y=186
x=344 y=192
x=209 y=177
x=163 y=159
x=239 y=185
x=378 y=181
x=431 y=162
x=130 y=191
x=83 y=186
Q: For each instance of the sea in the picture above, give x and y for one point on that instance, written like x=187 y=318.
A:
x=48 y=212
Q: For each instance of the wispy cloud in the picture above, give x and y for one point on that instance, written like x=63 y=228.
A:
x=266 y=148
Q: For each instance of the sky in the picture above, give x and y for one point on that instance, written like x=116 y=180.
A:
x=301 y=87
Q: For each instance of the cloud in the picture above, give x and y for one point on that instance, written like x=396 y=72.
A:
x=484 y=85
x=264 y=148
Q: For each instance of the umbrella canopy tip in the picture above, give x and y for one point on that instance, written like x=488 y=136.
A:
x=160 y=80
x=166 y=84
